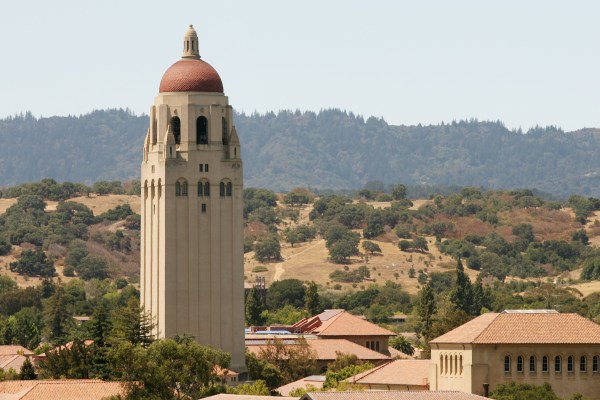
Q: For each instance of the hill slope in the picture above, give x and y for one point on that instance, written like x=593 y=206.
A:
x=331 y=149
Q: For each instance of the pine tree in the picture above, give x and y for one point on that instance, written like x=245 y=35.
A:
x=132 y=324
x=426 y=310
x=27 y=370
x=312 y=302
x=462 y=294
x=57 y=316
x=101 y=325
x=254 y=308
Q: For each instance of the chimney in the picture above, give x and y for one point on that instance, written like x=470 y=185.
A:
x=486 y=390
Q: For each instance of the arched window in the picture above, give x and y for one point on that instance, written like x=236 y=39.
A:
x=570 y=364
x=200 y=189
x=201 y=130
x=176 y=125
x=456 y=365
x=222 y=189
x=545 y=364
x=184 y=189
x=446 y=364
x=595 y=364
x=228 y=188
x=532 y=364
x=506 y=363
x=177 y=189
x=557 y=364
x=206 y=189
x=441 y=364
x=225 y=132
x=520 y=364
x=583 y=364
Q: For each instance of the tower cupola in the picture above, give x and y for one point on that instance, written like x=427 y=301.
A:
x=190 y=45
x=191 y=74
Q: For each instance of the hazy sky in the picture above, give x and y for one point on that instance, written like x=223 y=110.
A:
x=523 y=62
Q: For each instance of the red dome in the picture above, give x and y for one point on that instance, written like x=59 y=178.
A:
x=191 y=76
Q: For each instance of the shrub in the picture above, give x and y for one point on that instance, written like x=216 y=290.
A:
x=260 y=268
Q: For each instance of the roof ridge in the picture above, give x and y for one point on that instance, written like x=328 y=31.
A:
x=26 y=391
x=331 y=320
x=486 y=328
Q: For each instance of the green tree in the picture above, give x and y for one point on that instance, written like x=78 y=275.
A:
x=371 y=247
x=267 y=249
x=33 y=263
x=312 y=302
x=58 y=319
x=399 y=192
x=340 y=251
x=26 y=327
x=294 y=362
x=426 y=310
x=400 y=343
x=259 y=369
x=92 y=266
x=523 y=391
x=404 y=245
x=258 y=388
x=577 y=236
x=297 y=198
x=167 y=369
x=254 y=308
x=72 y=362
x=131 y=324
x=420 y=243
x=462 y=294
x=5 y=246
x=27 y=371
x=292 y=236
x=286 y=291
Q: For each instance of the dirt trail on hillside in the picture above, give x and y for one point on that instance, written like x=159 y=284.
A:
x=279 y=266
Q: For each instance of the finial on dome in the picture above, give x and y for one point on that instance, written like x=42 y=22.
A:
x=190 y=44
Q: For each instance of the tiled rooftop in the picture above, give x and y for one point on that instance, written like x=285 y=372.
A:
x=76 y=389
x=341 y=323
x=524 y=328
x=326 y=349
x=224 y=396
x=397 y=372
x=391 y=395
x=316 y=381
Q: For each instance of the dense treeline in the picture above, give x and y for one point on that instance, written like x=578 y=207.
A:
x=326 y=150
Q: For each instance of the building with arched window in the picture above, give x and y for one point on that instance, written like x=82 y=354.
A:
x=192 y=237
x=524 y=346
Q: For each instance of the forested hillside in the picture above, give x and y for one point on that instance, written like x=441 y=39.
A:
x=326 y=150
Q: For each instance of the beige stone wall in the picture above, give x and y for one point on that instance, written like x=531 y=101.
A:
x=410 y=388
x=485 y=364
x=451 y=368
x=192 y=260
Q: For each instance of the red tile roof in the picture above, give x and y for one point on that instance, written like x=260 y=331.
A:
x=316 y=381
x=191 y=76
x=397 y=372
x=12 y=350
x=76 y=389
x=392 y=395
x=340 y=323
x=325 y=349
x=525 y=328
x=224 y=396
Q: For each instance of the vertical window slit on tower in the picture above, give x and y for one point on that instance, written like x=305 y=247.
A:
x=201 y=130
